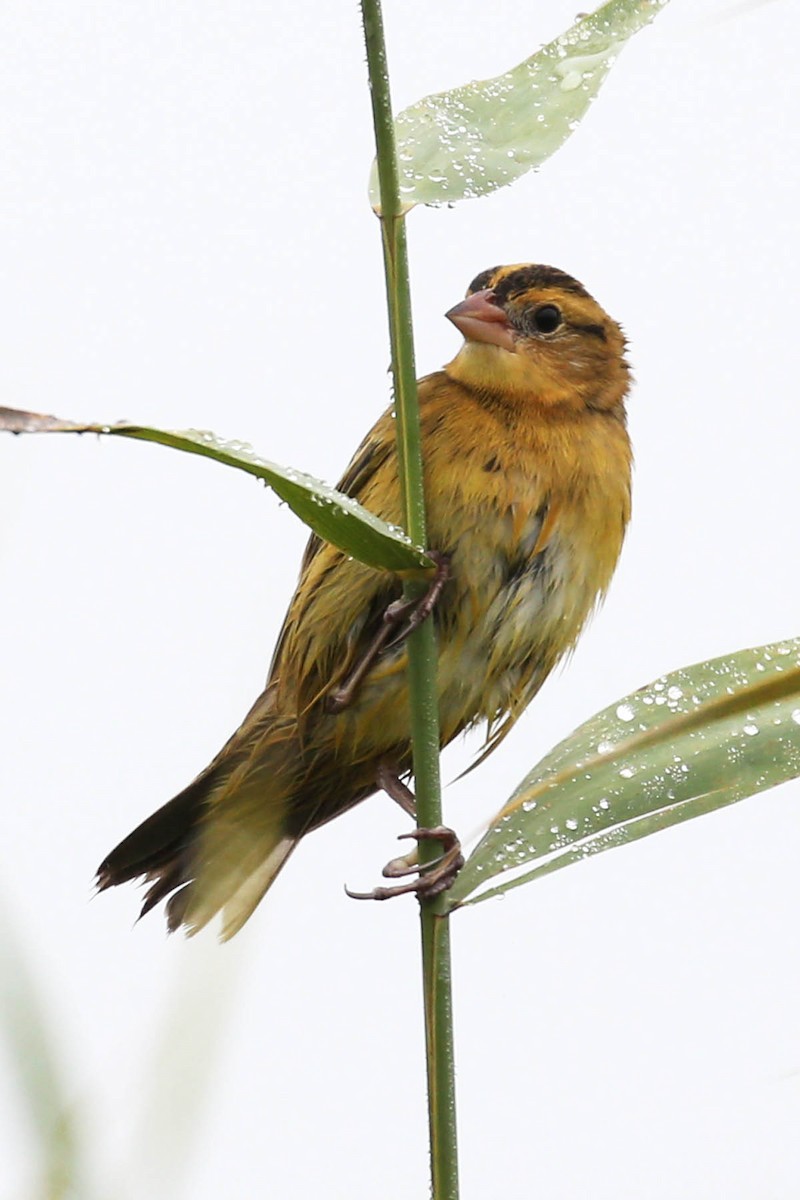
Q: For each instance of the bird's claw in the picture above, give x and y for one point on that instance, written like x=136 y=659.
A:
x=410 y=614
x=431 y=878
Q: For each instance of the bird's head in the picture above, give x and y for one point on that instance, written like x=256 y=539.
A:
x=535 y=331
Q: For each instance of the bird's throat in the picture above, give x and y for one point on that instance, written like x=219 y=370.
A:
x=489 y=368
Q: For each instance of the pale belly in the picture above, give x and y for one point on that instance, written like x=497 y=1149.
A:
x=512 y=618
x=502 y=627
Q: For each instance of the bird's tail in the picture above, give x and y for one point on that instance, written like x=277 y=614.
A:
x=220 y=843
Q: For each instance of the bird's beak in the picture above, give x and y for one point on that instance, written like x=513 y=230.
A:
x=482 y=321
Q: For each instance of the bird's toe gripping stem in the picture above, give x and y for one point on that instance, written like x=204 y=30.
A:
x=431 y=878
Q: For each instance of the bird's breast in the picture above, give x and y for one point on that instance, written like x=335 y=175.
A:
x=532 y=518
x=529 y=560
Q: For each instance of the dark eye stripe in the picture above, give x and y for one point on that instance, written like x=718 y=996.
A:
x=596 y=330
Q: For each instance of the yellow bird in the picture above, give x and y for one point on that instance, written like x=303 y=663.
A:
x=527 y=481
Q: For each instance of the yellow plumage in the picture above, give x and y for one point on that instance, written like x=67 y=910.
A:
x=527 y=482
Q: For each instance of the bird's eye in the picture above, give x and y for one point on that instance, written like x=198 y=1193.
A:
x=547 y=318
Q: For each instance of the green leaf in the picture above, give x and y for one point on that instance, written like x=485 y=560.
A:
x=335 y=517
x=474 y=139
x=689 y=743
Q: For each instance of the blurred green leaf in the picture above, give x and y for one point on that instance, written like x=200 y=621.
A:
x=335 y=517
x=691 y=742
x=38 y=1075
x=177 y=1084
x=474 y=139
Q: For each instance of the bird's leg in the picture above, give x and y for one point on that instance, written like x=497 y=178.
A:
x=391 y=783
x=408 y=615
x=343 y=696
x=431 y=878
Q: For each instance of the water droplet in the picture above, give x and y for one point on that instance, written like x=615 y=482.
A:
x=571 y=81
x=750 y=729
x=625 y=712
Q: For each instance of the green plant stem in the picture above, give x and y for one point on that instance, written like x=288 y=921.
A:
x=422 y=656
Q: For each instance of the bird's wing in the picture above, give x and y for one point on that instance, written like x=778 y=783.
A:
x=339 y=602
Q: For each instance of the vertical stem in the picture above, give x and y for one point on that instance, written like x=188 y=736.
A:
x=440 y=1054
x=422 y=655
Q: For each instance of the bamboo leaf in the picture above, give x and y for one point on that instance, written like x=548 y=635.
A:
x=335 y=517
x=691 y=742
x=474 y=139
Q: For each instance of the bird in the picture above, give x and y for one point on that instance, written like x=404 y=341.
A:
x=527 y=476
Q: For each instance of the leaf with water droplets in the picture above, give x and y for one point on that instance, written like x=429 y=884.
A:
x=335 y=517
x=693 y=741
x=471 y=140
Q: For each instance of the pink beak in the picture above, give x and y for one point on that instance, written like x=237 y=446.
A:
x=482 y=321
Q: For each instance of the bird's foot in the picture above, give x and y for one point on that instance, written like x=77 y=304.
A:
x=431 y=878
x=400 y=619
x=409 y=614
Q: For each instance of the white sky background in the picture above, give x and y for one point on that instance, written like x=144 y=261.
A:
x=185 y=240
